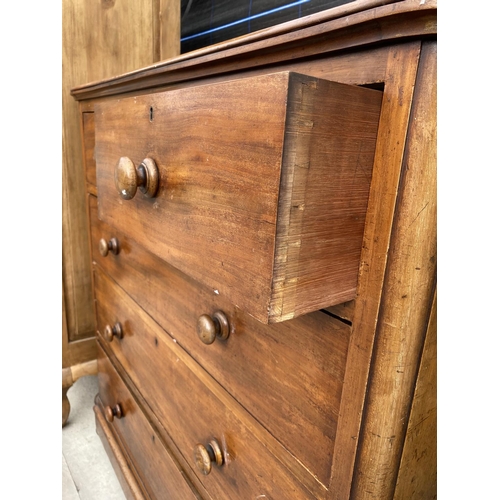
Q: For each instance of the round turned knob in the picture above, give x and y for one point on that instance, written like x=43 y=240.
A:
x=205 y=455
x=113 y=331
x=112 y=412
x=108 y=246
x=128 y=178
x=210 y=327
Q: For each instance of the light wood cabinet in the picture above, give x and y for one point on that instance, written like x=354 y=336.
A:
x=211 y=175
x=100 y=40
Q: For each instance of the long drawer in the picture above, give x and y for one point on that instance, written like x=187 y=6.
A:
x=255 y=187
x=194 y=409
x=151 y=459
x=288 y=375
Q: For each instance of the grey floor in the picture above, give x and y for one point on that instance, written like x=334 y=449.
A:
x=87 y=473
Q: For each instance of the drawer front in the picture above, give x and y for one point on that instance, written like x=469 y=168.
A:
x=262 y=185
x=162 y=478
x=288 y=375
x=194 y=408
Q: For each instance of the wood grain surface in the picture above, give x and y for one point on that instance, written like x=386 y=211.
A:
x=417 y=475
x=194 y=408
x=99 y=39
x=363 y=24
x=378 y=365
x=151 y=459
x=288 y=375
x=400 y=73
x=268 y=212
x=407 y=297
x=132 y=486
x=93 y=48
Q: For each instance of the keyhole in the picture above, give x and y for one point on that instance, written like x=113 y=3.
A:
x=151 y=114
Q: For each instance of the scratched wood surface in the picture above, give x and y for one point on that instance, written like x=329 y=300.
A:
x=390 y=312
x=90 y=37
x=268 y=211
x=407 y=298
x=358 y=24
x=132 y=486
x=99 y=39
x=152 y=462
x=194 y=408
x=400 y=71
x=417 y=475
x=308 y=352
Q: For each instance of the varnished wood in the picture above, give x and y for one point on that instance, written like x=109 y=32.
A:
x=92 y=52
x=128 y=178
x=401 y=68
x=250 y=465
x=184 y=465
x=79 y=352
x=88 y=140
x=75 y=235
x=131 y=486
x=361 y=434
x=313 y=347
x=211 y=327
x=298 y=233
x=417 y=475
x=169 y=21
x=407 y=297
x=69 y=376
x=364 y=27
x=152 y=463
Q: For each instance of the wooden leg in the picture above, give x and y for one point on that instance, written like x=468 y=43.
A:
x=65 y=406
x=69 y=377
x=67 y=382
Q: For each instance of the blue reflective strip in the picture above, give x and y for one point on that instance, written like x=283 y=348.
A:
x=245 y=19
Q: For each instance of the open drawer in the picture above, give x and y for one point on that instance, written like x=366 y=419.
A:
x=256 y=187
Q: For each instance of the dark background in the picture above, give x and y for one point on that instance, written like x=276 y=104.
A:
x=199 y=16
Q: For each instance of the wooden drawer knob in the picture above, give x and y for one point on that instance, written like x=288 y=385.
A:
x=112 y=412
x=210 y=327
x=108 y=246
x=204 y=456
x=113 y=331
x=128 y=178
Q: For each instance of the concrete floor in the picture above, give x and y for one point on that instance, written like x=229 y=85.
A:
x=87 y=473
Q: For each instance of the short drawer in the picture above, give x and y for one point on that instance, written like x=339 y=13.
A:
x=195 y=409
x=288 y=375
x=255 y=187
x=160 y=474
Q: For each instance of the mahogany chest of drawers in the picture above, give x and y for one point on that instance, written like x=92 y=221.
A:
x=263 y=227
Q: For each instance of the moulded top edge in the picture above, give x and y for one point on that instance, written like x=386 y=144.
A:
x=331 y=20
